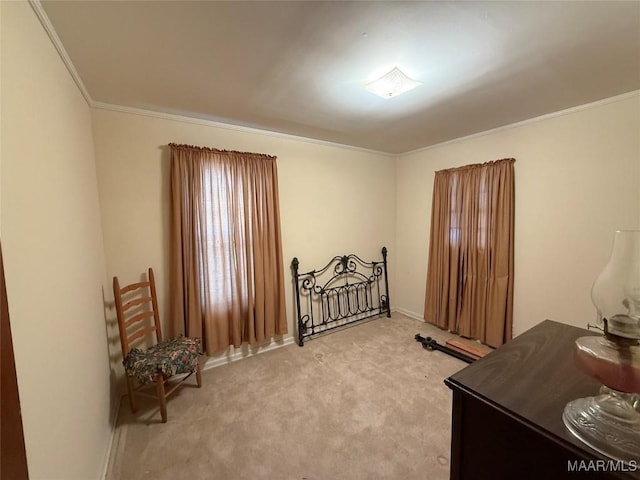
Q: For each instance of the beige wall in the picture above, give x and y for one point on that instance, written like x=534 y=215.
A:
x=576 y=183
x=53 y=253
x=333 y=200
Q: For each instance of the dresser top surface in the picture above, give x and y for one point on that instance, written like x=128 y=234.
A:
x=532 y=378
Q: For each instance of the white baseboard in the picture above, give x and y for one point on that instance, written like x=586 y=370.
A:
x=408 y=313
x=245 y=352
x=109 y=456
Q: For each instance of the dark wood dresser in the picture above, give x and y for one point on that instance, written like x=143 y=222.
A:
x=507 y=412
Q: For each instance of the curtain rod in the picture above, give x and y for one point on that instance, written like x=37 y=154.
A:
x=216 y=150
x=477 y=165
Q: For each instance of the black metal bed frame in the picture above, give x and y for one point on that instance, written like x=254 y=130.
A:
x=348 y=296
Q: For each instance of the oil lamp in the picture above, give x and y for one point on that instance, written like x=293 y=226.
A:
x=610 y=422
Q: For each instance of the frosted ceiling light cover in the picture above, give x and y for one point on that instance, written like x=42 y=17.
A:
x=392 y=84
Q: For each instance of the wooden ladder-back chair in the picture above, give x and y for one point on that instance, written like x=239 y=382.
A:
x=137 y=312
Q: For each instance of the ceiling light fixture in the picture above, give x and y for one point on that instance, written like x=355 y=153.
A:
x=392 y=84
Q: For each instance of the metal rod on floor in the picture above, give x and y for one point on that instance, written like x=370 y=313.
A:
x=432 y=344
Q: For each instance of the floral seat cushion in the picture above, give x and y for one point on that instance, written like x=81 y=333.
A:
x=171 y=357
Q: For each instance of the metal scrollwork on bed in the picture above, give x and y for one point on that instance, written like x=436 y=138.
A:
x=346 y=290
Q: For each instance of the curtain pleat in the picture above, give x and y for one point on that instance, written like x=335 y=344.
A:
x=227 y=275
x=469 y=286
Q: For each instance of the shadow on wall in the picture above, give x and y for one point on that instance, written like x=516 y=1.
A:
x=116 y=374
x=165 y=201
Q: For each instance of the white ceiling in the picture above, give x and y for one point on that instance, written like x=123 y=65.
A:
x=300 y=67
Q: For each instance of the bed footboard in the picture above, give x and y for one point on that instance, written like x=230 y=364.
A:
x=346 y=290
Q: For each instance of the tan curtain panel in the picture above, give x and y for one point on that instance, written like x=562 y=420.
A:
x=470 y=272
x=227 y=278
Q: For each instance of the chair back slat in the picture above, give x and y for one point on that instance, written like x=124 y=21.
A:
x=140 y=333
x=135 y=303
x=134 y=286
x=138 y=318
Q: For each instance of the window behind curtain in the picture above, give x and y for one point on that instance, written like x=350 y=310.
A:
x=227 y=276
x=218 y=220
x=470 y=272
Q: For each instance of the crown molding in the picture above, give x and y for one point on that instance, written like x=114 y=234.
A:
x=57 y=43
x=546 y=116
x=46 y=23
x=229 y=126
x=257 y=131
x=37 y=7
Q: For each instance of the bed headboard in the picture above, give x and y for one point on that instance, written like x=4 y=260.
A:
x=346 y=290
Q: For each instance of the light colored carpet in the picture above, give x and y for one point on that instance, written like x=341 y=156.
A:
x=366 y=402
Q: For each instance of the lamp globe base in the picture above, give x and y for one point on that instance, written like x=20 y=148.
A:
x=608 y=423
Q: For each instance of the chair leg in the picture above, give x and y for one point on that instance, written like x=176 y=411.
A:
x=132 y=398
x=198 y=376
x=162 y=399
